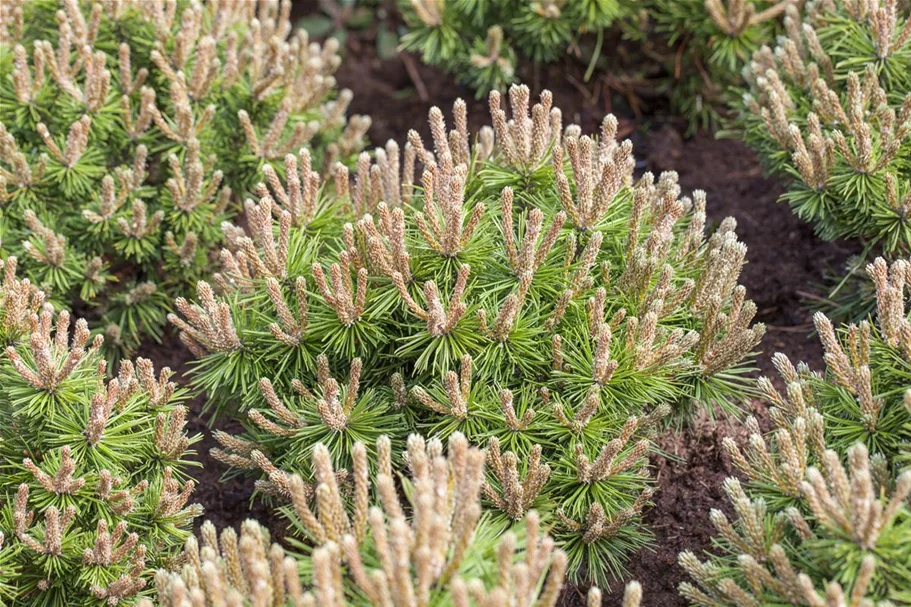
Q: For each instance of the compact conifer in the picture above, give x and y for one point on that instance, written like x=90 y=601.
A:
x=823 y=516
x=830 y=108
x=94 y=470
x=526 y=292
x=130 y=130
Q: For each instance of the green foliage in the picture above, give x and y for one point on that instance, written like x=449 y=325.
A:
x=336 y=18
x=707 y=44
x=824 y=510
x=528 y=294
x=480 y=40
x=93 y=475
x=130 y=131
x=830 y=108
x=8 y=571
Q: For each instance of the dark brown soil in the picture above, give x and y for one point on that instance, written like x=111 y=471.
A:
x=785 y=259
x=689 y=479
x=228 y=502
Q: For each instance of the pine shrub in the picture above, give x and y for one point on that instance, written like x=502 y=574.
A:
x=527 y=293
x=481 y=41
x=822 y=514
x=830 y=108
x=708 y=43
x=130 y=130
x=93 y=471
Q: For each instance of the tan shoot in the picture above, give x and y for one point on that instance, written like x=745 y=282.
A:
x=440 y=321
x=53 y=357
x=300 y=197
x=509 y=313
x=427 y=551
x=232 y=569
x=387 y=252
x=597 y=526
x=348 y=302
x=48 y=247
x=444 y=222
x=528 y=256
x=525 y=141
x=205 y=327
x=599 y=172
x=458 y=392
x=851 y=369
x=20 y=301
x=616 y=457
x=188 y=178
x=584 y=415
x=19 y=172
x=516 y=495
